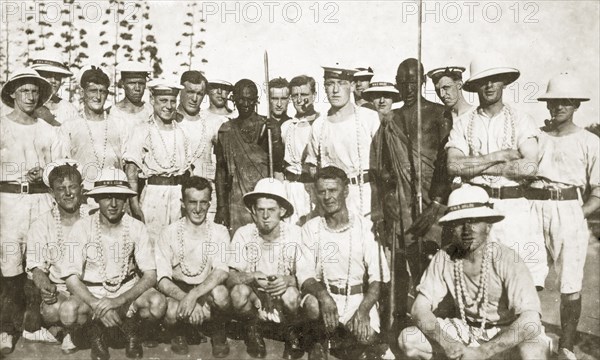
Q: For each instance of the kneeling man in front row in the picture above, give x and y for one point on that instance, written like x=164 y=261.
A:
x=107 y=251
x=191 y=269
x=263 y=258
x=343 y=273
x=492 y=289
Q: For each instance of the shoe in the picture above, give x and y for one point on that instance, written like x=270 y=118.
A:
x=292 y=349
x=67 y=347
x=42 y=335
x=179 y=345
x=220 y=347
x=6 y=343
x=255 y=344
x=98 y=347
x=565 y=354
x=317 y=352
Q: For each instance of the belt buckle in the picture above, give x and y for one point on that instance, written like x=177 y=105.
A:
x=24 y=188
x=555 y=194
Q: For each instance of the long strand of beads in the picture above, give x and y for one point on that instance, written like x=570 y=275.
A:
x=180 y=238
x=360 y=170
x=482 y=293
x=324 y=275
x=173 y=157
x=105 y=142
x=201 y=146
x=126 y=250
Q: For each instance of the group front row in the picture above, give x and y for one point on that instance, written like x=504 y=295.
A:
x=321 y=283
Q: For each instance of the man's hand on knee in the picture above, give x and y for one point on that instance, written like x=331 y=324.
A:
x=360 y=326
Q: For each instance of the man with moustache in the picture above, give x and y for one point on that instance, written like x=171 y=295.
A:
x=50 y=65
x=561 y=203
x=362 y=78
x=495 y=146
x=28 y=144
x=295 y=135
x=263 y=258
x=341 y=274
x=243 y=156
x=279 y=97
x=92 y=138
x=110 y=271
x=45 y=289
x=158 y=151
x=496 y=305
x=131 y=110
x=201 y=129
x=342 y=138
x=191 y=270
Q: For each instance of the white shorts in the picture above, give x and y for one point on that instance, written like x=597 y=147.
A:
x=353 y=201
x=301 y=197
x=17 y=212
x=516 y=231
x=161 y=205
x=564 y=230
x=353 y=304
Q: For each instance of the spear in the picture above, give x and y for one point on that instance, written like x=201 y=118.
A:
x=419 y=132
x=269 y=135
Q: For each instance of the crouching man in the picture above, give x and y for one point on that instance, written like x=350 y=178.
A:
x=191 y=268
x=340 y=251
x=492 y=291
x=263 y=259
x=107 y=251
x=46 y=291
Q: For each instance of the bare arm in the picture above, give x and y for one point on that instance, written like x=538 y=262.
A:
x=243 y=278
x=593 y=203
x=460 y=164
x=76 y=287
x=132 y=171
x=217 y=277
x=422 y=313
x=523 y=167
x=371 y=297
x=167 y=287
x=526 y=327
x=147 y=281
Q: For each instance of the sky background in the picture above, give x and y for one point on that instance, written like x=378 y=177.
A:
x=540 y=38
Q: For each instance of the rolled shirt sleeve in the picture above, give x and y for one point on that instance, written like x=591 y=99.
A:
x=457 y=138
x=306 y=266
x=374 y=257
x=237 y=258
x=134 y=147
x=37 y=240
x=433 y=286
x=144 y=249
x=164 y=256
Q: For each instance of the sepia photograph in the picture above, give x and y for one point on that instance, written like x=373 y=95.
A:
x=351 y=180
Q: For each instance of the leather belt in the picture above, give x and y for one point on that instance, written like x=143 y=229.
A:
x=552 y=194
x=503 y=192
x=477 y=324
x=365 y=178
x=125 y=280
x=355 y=289
x=303 y=178
x=166 y=180
x=23 y=188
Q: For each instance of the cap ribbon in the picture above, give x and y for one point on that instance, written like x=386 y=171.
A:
x=469 y=206
x=111 y=183
x=50 y=62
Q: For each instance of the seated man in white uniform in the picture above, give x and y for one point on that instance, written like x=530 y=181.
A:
x=107 y=251
x=45 y=289
x=191 y=269
x=492 y=291
x=339 y=253
x=263 y=258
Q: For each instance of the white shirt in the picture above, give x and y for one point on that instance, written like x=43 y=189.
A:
x=295 y=134
x=321 y=246
x=337 y=142
x=213 y=247
x=487 y=135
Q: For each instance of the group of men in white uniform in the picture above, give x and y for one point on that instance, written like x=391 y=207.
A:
x=150 y=249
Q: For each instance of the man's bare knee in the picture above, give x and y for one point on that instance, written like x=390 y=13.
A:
x=413 y=343
x=311 y=307
x=220 y=296
x=534 y=349
x=73 y=311
x=50 y=313
x=240 y=295
x=291 y=299
x=157 y=304
x=171 y=314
